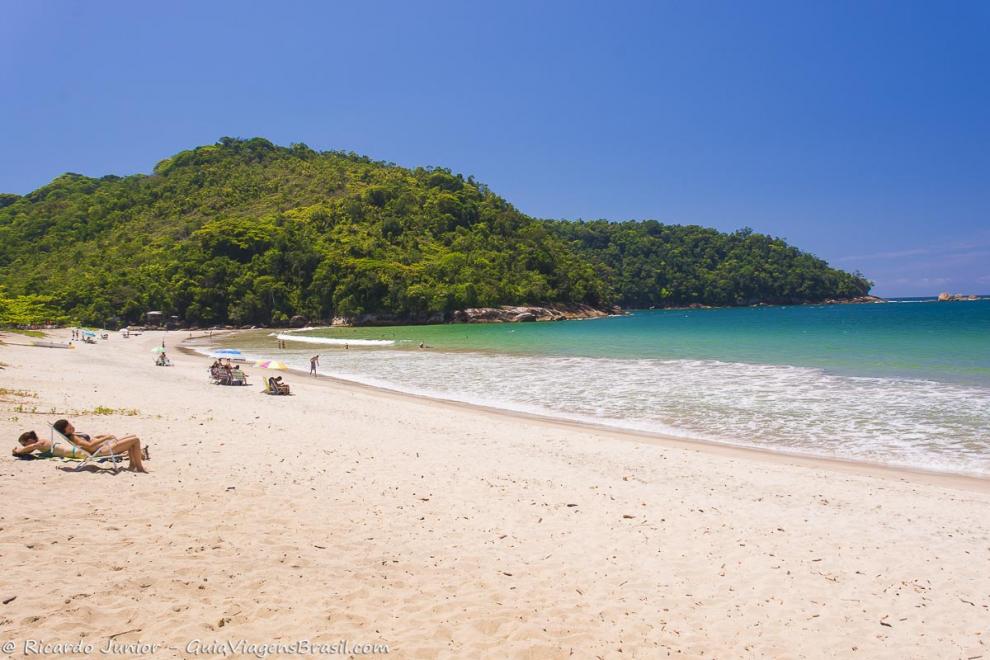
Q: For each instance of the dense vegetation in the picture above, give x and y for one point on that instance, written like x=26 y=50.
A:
x=27 y=310
x=247 y=232
x=650 y=264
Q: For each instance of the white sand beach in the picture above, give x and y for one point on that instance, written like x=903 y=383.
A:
x=441 y=530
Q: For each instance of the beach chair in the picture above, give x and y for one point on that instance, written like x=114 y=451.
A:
x=111 y=457
x=275 y=389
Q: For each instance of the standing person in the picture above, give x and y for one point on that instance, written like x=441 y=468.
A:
x=314 y=362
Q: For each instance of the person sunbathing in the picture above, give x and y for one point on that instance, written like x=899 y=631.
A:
x=30 y=442
x=85 y=442
x=81 y=440
x=276 y=386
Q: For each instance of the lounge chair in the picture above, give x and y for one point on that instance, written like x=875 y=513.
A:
x=224 y=377
x=111 y=457
x=275 y=388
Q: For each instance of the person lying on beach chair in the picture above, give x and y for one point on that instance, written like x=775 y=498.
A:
x=29 y=443
x=81 y=440
x=276 y=386
x=63 y=429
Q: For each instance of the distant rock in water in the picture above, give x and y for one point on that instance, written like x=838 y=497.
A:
x=954 y=297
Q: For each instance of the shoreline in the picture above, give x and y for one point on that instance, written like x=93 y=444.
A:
x=447 y=530
x=851 y=466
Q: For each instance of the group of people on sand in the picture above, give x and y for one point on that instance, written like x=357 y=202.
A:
x=69 y=443
x=225 y=371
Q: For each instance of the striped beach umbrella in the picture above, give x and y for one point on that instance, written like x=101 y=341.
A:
x=271 y=364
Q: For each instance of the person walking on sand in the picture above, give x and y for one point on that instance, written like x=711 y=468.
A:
x=314 y=362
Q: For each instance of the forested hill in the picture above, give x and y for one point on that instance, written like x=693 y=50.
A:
x=244 y=231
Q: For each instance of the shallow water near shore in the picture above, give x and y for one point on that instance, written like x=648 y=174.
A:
x=905 y=383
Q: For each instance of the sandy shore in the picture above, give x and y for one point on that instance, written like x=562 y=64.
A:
x=347 y=513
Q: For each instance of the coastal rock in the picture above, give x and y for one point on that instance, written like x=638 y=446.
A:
x=955 y=297
x=504 y=314
x=297 y=321
x=528 y=314
x=858 y=300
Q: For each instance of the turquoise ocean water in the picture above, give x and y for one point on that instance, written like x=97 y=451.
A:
x=904 y=383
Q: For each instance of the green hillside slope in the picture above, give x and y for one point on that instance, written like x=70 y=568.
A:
x=248 y=232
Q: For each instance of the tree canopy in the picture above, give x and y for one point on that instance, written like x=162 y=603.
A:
x=248 y=232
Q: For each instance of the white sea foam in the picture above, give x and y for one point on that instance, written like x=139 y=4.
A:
x=919 y=423
x=915 y=423
x=334 y=341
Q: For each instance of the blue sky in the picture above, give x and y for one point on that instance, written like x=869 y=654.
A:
x=859 y=131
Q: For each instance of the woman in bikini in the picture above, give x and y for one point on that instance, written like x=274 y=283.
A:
x=81 y=440
x=30 y=442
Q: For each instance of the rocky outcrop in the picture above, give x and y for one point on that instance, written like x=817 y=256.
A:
x=855 y=301
x=503 y=314
x=524 y=314
x=297 y=321
x=955 y=297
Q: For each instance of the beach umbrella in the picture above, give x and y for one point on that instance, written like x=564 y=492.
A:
x=271 y=364
x=228 y=351
x=158 y=349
